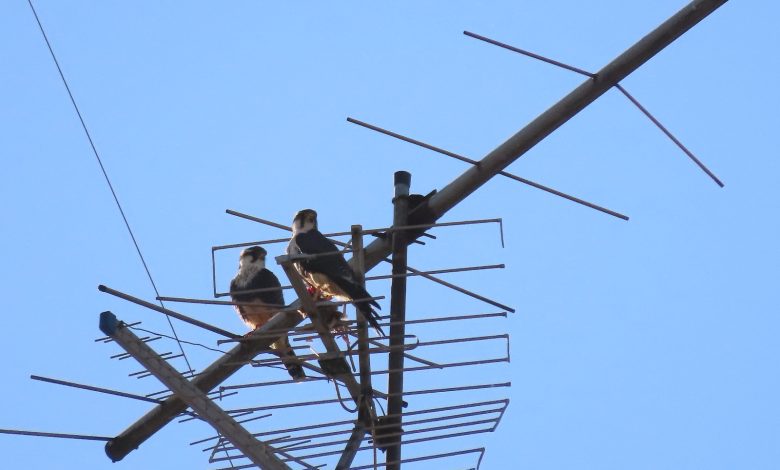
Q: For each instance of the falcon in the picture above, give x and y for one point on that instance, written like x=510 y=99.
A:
x=256 y=308
x=329 y=275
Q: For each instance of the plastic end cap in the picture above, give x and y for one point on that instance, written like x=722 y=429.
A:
x=108 y=323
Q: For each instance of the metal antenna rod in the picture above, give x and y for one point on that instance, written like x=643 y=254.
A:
x=669 y=134
x=618 y=86
x=167 y=312
x=95 y=389
x=547 y=122
x=54 y=434
x=530 y=54
x=476 y=163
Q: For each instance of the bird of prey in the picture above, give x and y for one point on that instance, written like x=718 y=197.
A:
x=256 y=308
x=330 y=275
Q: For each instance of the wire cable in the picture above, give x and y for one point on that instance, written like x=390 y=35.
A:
x=191 y=343
x=105 y=175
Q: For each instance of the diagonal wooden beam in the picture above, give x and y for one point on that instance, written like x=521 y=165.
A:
x=257 y=451
x=129 y=440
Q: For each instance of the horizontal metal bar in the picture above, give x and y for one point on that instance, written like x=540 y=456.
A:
x=341 y=442
x=257 y=219
x=481 y=451
x=339 y=234
x=504 y=402
x=530 y=54
x=462 y=290
x=369 y=278
x=94 y=389
x=283 y=308
x=304 y=256
x=465 y=339
x=310 y=337
x=107 y=339
x=311 y=357
x=446 y=365
x=411 y=441
x=409 y=347
x=438 y=271
x=233 y=414
x=407 y=355
x=405 y=393
x=271 y=241
x=477 y=316
x=425 y=320
x=407 y=424
x=255 y=418
x=476 y=163
x=54 y=434
x=168 y=312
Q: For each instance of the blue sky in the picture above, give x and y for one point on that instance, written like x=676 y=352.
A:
x=644 y=344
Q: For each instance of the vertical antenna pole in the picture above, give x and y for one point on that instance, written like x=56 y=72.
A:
x=358 y=266
x=395 y=386
x=366 y=416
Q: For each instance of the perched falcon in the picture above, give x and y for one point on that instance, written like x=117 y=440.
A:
x=258 y=307
x=330 y=275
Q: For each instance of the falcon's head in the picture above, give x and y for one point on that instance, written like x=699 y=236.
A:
x=254 y=256
x=304 y=221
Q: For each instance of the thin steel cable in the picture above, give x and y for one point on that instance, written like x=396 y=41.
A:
x=341 y=399
x=191 y=343
x=105 y=175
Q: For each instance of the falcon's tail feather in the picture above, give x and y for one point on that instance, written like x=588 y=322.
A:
x=370 y=315
x=289 y=359
x=366 y=307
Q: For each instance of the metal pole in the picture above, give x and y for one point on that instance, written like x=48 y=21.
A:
x=168 y=312
x=257 y=451
x=366 y=415
x=395 y=380
x=553 y=118
x=362 y=324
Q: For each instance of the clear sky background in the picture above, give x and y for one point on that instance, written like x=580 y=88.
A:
x=645 y=344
